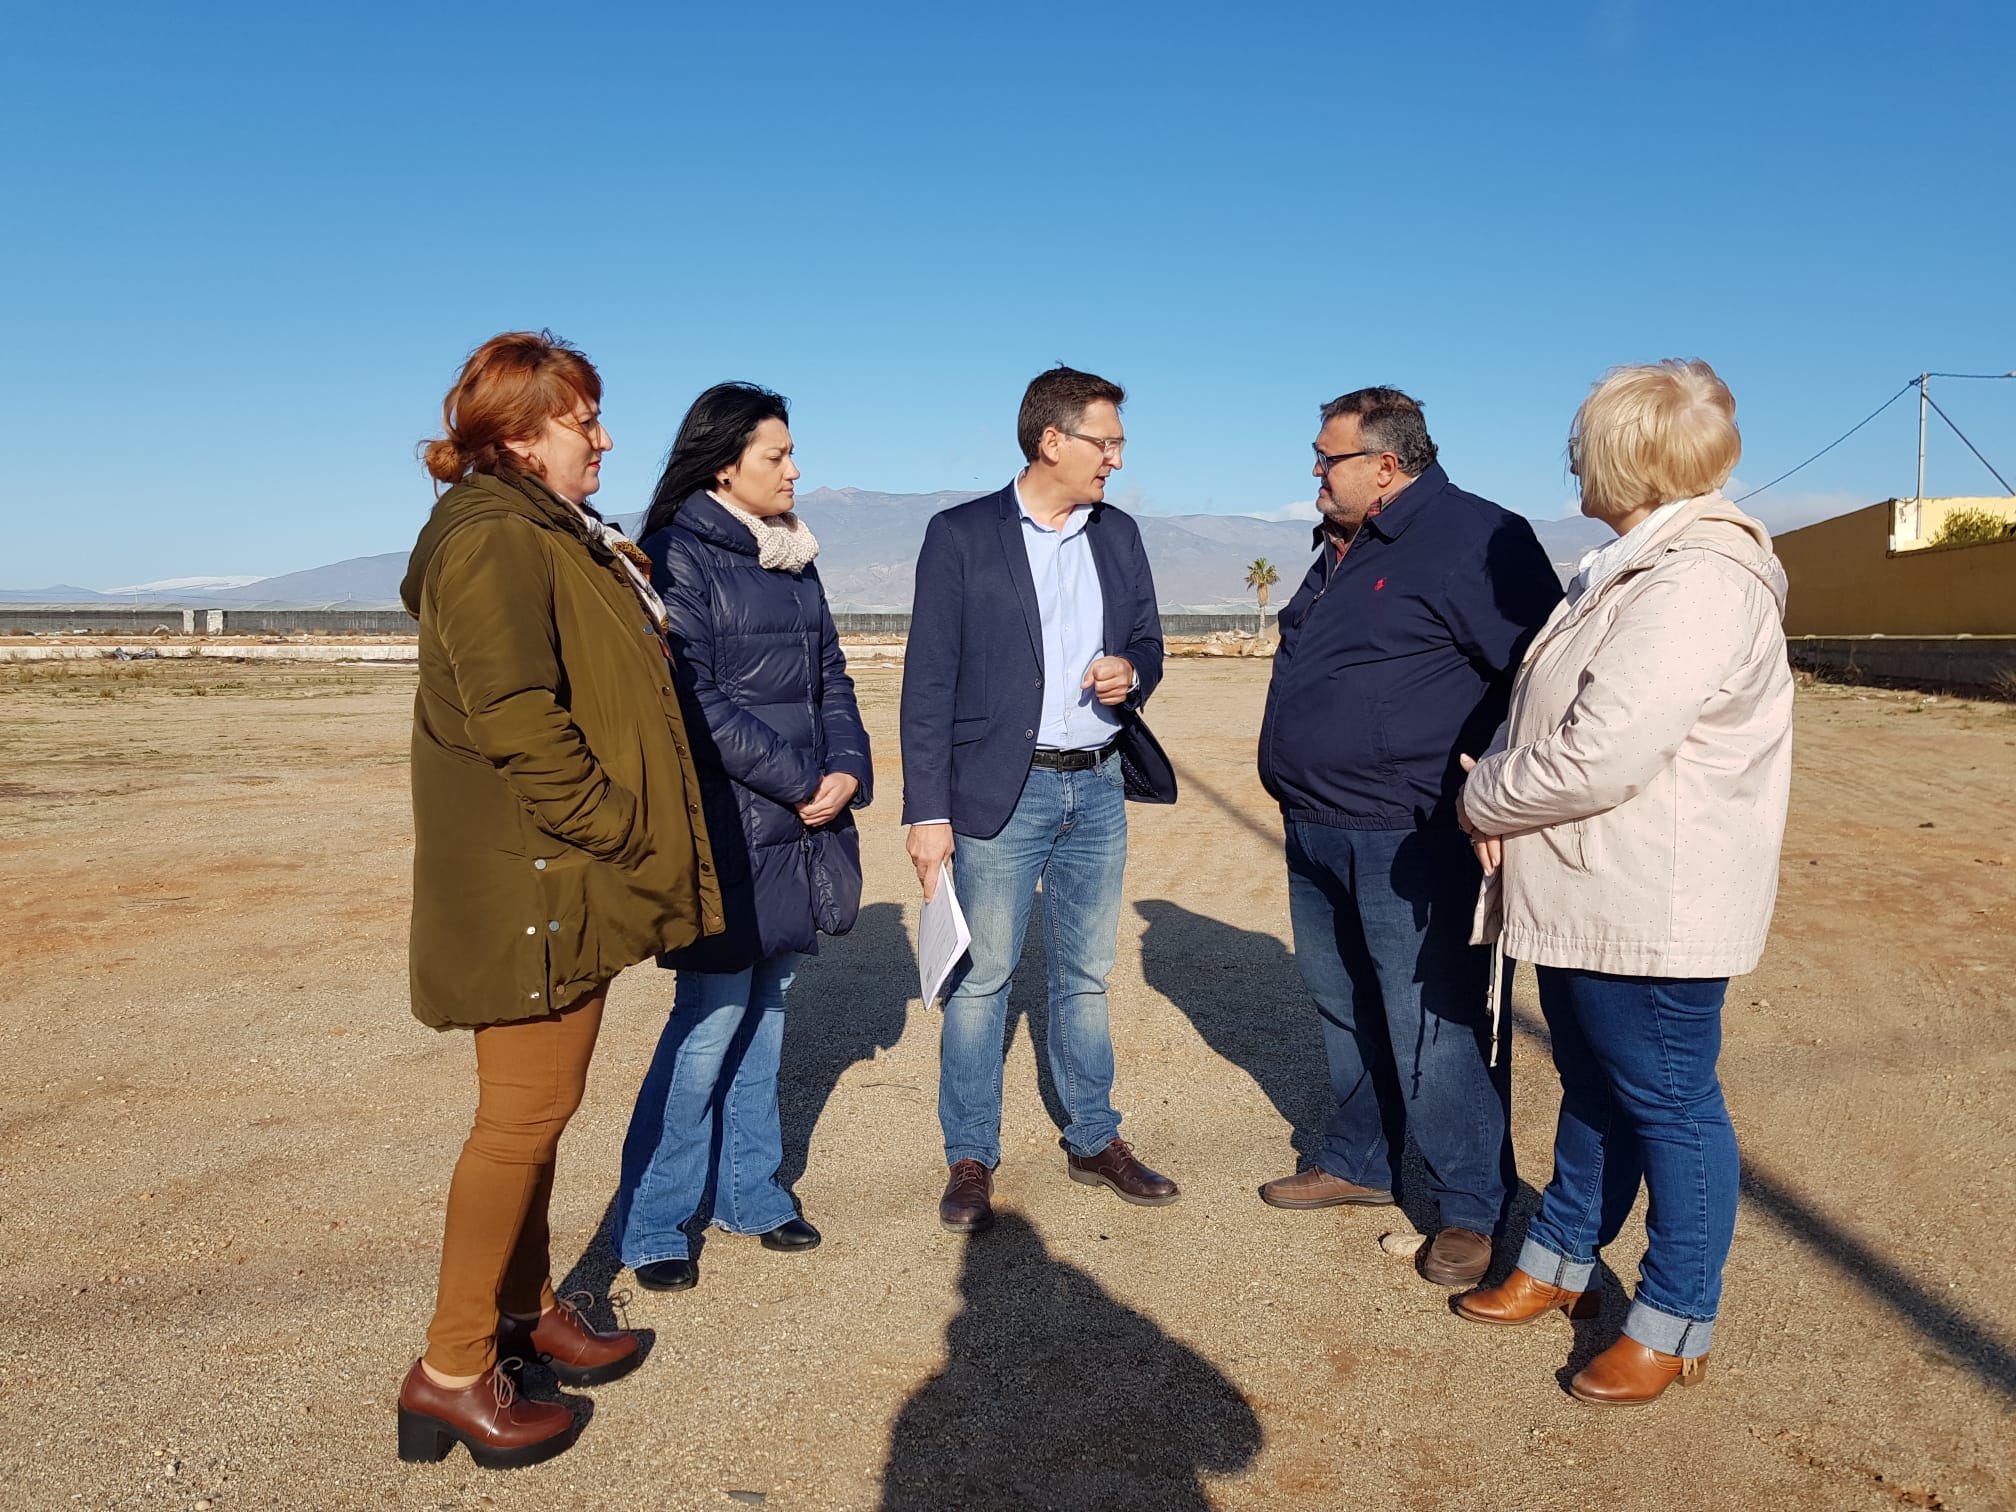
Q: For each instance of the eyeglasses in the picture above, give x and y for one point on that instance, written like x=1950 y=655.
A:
x=1109 y=446
x=585 y=429
x=1327 y=460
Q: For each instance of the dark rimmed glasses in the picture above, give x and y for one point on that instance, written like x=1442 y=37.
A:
x=1327 y=460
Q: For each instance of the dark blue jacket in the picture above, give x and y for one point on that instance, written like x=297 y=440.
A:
x=770 y=710
x=1400 y=658
x=973 y=671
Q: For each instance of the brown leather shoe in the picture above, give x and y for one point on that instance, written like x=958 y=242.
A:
x=1629 y=1374
x=500 y=1429
x=1317 y=1188
x=573 y=1349
x=1458 y=1257
x=1116 y=1167
x=968 y=1206
x=1521 y=1298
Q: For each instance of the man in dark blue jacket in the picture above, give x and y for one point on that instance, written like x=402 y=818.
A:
x=1034 y=622
x=1396 y=659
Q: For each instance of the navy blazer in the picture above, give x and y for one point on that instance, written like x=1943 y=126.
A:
x=973 y=671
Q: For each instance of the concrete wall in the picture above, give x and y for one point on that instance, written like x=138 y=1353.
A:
x=36 y=619
x=1846 y=581
x=319 y=622
x=1940 y=661
x=57 y=619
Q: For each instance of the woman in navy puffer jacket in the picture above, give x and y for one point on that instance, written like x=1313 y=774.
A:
x=781 y=754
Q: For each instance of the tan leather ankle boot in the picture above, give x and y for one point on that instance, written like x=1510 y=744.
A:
x=1521 y=1298
x=1629 y=1374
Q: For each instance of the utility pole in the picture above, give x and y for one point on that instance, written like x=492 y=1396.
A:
x=1921 y=436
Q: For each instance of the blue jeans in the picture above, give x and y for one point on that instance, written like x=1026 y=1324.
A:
x=1069 y=830
x=706 y=1120
x=1640 y=1100
x=1382 y=929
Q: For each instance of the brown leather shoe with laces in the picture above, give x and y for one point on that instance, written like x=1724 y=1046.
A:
x=1521 y=1298
x=1116 y=1167
x=967 y=1206
x=574 y=1349
x=500 y=1429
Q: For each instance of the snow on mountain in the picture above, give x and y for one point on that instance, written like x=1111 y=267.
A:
x=179 y=586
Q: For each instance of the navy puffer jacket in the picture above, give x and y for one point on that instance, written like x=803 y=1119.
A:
x=770 y=710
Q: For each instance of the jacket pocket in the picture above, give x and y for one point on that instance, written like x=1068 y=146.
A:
x=966 y=731
x=1565 y=843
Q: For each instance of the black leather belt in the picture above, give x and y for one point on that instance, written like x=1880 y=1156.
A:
x=1070 y=761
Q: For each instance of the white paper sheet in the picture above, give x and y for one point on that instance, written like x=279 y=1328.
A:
x=942 y=937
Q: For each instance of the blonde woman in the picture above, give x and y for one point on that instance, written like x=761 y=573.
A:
x=1629 y=818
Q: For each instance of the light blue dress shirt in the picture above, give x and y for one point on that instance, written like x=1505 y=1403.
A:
x=1073 y=610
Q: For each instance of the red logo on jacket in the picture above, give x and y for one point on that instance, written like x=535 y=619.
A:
x=1378 y=585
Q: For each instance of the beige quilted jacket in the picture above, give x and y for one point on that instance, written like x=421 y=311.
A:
x=1640 y=779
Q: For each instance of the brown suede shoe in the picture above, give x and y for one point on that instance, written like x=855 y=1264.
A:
x=1521 y=1298
x=967 y=1206
x=1628 y=1374
x=1458 y=1257
x=1317 y=1188
x=500 y=1429
x=1116 y=1167
x=572 y=1348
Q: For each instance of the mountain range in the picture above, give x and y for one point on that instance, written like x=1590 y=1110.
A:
x=868 y=544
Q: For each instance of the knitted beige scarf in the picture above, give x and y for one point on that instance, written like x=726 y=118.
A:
x=782 y=541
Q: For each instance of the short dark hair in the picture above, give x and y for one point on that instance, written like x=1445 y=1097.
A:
x=1060 y=397
x=1389 y=421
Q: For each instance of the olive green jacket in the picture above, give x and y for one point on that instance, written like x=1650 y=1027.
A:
x=556 y=812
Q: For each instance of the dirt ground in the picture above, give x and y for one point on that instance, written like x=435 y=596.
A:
x=224 y=1147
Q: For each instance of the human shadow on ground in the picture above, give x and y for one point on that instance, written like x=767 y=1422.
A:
x=847 y=1004
x=595 y=1273
x=1242 y=993
x=1055 y=1395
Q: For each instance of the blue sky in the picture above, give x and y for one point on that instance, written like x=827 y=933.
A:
x=246 y=247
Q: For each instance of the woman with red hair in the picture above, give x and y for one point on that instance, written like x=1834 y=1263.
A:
x=557 y=840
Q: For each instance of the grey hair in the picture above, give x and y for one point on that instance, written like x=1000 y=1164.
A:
x=1388 y=421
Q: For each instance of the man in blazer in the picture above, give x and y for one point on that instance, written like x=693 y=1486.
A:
x=1034 y=626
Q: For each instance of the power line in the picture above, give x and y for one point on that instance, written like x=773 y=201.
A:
x=1969 y=444
x=1913 y=383
x=1971 y=375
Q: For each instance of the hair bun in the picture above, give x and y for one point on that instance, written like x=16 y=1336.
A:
x=507 y=391
x=444 y=460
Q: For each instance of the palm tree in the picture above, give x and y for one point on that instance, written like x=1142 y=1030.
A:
x=1260 y=577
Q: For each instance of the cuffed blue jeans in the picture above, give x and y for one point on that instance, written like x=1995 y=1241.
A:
x=1382 y=927
x=1640 y=1100
x=1069 y=830
x=706 y=1122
